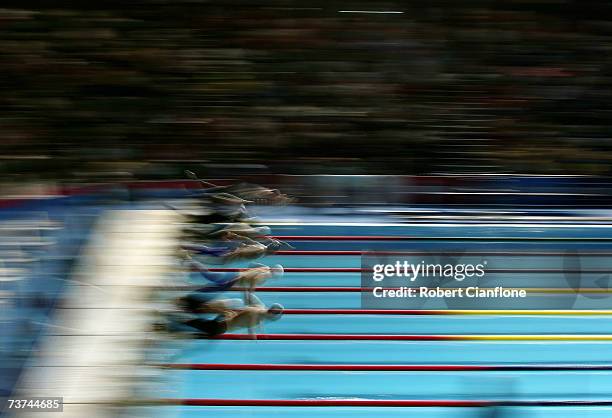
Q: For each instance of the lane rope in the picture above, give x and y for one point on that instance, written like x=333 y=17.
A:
x=430 y=238
x=391 y=367
x=418 y=337
x=446 y=253
x=408 y=403
x=361 y=270
x=535 y=290
x=509 y=312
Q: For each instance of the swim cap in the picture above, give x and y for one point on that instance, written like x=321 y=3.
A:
x=277 y=271
x=275 y=311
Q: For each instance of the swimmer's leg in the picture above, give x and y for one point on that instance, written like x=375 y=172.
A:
x=222 y=287
x=193 y=302
x=208 y=327
x=204 y=249
x=220 y=278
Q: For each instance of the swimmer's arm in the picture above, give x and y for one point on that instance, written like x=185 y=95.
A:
x=252 y=300
x=254 y=327
x=248 y=283
x=253 y=332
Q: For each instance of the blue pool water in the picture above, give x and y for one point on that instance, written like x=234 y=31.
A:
x=577 y=385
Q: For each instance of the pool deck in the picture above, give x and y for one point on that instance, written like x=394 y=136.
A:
x=92 y=351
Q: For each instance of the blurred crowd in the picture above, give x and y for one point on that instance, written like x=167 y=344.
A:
x=130 y=88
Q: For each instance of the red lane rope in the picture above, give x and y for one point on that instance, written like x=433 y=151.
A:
x=360 y=270
x=301 y=269
x=368 y=312
x=391 y=367
x=279 y=288
x=335 y=402
x=509 y=312
x=298 y=252
x=551 y=290
x=421 y=337
x=307 y=289
x=446 y=253
x=429 y=238
x=343 y=337
x=443 y=403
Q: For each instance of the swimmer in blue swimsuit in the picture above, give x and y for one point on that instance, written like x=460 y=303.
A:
x=200 y=300
x=220 y=251
x=255 y=275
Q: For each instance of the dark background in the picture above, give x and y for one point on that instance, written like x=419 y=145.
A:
x=297 y=87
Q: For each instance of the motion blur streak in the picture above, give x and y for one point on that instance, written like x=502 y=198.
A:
x=151 y=150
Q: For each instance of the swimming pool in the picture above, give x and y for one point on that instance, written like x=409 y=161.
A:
x=313 y=373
